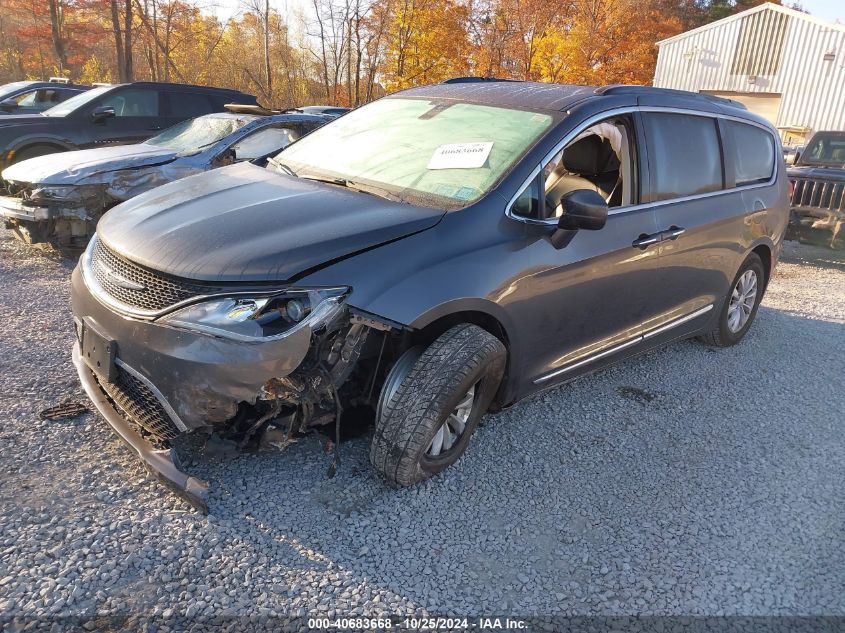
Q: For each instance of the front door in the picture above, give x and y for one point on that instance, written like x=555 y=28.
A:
x=137 y=117
x=586 y=300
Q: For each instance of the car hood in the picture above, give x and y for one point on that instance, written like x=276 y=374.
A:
x=249 y=224
x=816 y=172
x=69 y=168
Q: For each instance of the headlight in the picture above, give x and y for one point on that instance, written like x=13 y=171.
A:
x=48 y=193
x=256 y=319
x=57 y=193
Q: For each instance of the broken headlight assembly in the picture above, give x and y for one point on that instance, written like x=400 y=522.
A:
x=63 y=193
x=258 y=319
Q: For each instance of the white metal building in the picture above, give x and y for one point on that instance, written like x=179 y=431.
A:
x=782 y=64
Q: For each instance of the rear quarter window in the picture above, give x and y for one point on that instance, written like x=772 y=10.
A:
x=188 y=105
x=684 y=154
x=755 y=153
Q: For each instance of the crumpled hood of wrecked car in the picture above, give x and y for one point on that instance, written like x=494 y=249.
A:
x=91 y=165
x=246 y=223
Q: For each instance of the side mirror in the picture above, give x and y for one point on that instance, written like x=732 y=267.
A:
x=7 y=105
x=582 y=209
x=102 y=113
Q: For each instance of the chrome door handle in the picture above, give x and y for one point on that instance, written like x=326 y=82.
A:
x=672 y=233
x=644 y=241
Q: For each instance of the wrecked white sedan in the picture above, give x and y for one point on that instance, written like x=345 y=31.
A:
x=58 y=198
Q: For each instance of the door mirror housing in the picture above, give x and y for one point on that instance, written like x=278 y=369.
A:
x=8 y=105
x=102 y=113
x=582 y=209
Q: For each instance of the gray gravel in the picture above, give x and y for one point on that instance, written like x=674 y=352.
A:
x=686 y=481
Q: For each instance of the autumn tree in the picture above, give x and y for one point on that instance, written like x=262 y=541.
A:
x=426 y=41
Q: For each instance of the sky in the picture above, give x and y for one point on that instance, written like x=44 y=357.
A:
x=831 y=10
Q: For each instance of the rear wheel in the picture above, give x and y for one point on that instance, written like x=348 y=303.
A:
x=425 y=422
x=740 y=306
x=34 y=150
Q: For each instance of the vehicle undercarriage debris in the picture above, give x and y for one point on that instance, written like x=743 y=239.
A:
x=344 y=367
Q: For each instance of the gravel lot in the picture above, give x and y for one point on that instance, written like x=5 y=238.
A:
x=686 y=481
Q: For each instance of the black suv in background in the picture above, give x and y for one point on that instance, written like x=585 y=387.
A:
x=32 y=97
x=109 y=115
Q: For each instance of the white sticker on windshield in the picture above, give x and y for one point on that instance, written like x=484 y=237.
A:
x=460 y=156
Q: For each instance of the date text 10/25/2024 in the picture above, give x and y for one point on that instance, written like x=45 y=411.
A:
x=419 y=623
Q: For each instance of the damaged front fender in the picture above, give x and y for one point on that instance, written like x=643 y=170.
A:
x=125 y=184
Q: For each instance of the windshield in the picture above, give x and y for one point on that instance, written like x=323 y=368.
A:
x=825 y=149
x=66 y=107
x=6 y=89
x=433 y=153
x=197 y=133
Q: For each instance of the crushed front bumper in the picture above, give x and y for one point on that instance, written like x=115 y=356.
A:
x=15 y=209
x=158 y=462
x=169 y=381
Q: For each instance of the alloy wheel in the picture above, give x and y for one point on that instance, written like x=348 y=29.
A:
x=453 y=427
x=743 y=298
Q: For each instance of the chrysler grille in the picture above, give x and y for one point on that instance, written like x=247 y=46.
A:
x=141 y=288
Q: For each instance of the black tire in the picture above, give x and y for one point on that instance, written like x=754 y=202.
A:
x=445 y=372
x=34 y=150
x=722 y=335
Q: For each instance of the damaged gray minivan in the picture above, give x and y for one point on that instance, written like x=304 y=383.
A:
x=437 y=253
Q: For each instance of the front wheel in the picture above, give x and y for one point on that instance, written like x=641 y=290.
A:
x=740 y=306
x=425 y=423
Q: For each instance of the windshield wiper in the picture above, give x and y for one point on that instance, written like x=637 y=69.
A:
x=281 y=166
x=356 y=186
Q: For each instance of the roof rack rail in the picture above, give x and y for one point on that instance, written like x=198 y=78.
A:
x=240 y=108
x=624 y=89
x=59 y=80
x=101 y=84
x=473 y=80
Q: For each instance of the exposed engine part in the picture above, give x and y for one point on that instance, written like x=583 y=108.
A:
x=373 y=321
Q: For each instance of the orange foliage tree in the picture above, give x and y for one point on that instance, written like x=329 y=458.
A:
x=343 y=51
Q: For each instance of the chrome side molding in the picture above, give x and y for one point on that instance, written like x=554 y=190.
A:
x=629 y=343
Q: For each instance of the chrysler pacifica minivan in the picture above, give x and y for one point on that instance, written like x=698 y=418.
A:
x=432 y=255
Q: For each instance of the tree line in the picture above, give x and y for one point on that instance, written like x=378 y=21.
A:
x=344 y=52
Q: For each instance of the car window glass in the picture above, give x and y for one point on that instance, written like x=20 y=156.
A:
x=755 y=153
x=187 y=104
x=437 y=153
x=263 y=143
x=527 y=203
x=77 y=101
x=601 y=158
x=194 y=134
x=684 y=154
x=8 y=89
x=825 y=149
x=133 y=102
x=40 y=99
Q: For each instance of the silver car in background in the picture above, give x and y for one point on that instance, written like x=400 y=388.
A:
x=58 y=198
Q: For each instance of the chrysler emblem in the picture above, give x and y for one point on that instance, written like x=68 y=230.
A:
x=120 y=280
